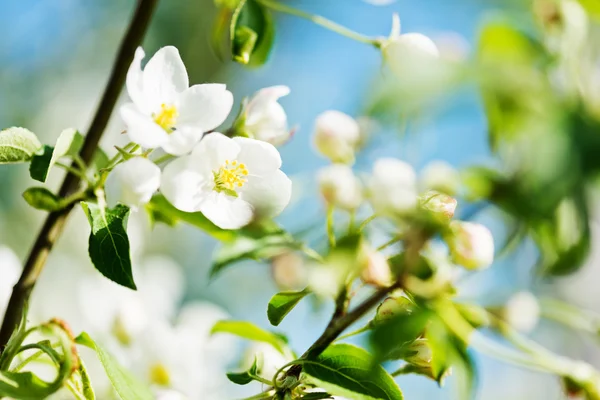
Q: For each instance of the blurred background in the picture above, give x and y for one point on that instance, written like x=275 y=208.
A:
x=55 y=57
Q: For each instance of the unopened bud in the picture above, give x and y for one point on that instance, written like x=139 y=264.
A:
x=522 y=311
x=393 y=187
x=289 y=271
x=439 y=204
x=392 y=307
x=471 y=244
x=377 y=270
x=340 y=187
x=337 y=136
x=440 y=176
x=419 y=353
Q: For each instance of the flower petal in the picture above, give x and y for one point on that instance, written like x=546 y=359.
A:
x=204 y=106
x=133 y=182
x=182 y=140
x=183 y=185
x=141 y=128
x=268 y=194
x=215 y=149
x=264 y=97
x=260 y=157
x=164 y=77
x=135 y=82
x=225 y=211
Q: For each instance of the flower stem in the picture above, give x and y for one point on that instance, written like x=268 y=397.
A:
x=366 y=222
x=324 y=22
x=54 y=224
x=330 y=226
x=390 y=242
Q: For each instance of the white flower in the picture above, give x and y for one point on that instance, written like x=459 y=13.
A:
x=269 y=359
x=133 y=182
x=440 y=176
x=340 y=187
x=337 y=136
x=393 y=187
x=522 y=311
x=166 y=112
x=377 y=270
x=230 y=181
x=289 y=271
x=266 y=119
x=471 y=245
x=439 y=204
x=10 y=268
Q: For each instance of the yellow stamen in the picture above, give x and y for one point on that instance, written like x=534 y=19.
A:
x=167 y=117
x=159 y=375
x=230 y=176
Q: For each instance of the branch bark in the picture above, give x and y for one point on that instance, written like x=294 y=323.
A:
x=53 y=226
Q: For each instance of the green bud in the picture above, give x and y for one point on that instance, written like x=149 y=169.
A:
x=392 y=307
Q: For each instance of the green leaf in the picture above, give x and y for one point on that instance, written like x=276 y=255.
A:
x=42 y=199
x=17 y=145
x=108 y=243
x=244 y=378
x=24 y=386
x=125 y=384
x=316 y=396
x=282 y=303
x=101 y=159
x=592 y=7
x=248 y=330
x=160 y=210
x=40 y=163
x=69 y=143
x=257 y=242
x=252 y=33
x=349 y=371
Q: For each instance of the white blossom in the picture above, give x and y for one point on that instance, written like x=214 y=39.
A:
x=166 y=112
x=377 y=269
x=440 y=176
x=133 y=182
x=289 y=271
x=340 y=187
x=337 y=136
x=392 y=187
x=439 y=204
x=265 y=118
x=522 y=311
x=231 y=181
x=471 y=244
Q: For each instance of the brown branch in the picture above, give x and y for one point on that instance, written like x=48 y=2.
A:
x=53 y=226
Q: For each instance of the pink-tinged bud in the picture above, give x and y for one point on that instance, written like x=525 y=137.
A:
x=439 y=204
x=471 y=245
x=392 y=307
x=337 y=136
x=377 y=270
x=340 y=187
x=289 y=271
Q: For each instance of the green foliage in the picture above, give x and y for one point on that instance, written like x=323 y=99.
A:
x=349 y=371
x=316 y=396
x=40 y=163
x=108 y=243
x=17 y=145
x=252 y=33
x=282 y=303
x=125 y=384
x=244 y=378
x=68 y=144
x=24 y=386
x=42 y=199
x=248 y=330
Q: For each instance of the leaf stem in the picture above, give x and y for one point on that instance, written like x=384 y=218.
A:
x=330 y=226
x=322 y=21
x=54 y=224
x=366 y=222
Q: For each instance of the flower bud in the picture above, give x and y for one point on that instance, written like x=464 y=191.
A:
x=439 y=204
x=393 y=187
x=265 y=119
x=377 y=270
x=340 y=187
x=289 y=271
x=522 y=312
x=337 y=136
x=132 y=182
x=471 y=245
x=419 y=353
x=440 y=176
x=392 y=307
x=411 y=55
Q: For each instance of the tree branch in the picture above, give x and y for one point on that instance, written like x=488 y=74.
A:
x=53 y=226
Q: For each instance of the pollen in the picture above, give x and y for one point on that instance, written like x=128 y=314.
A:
x=166 y=117
x=231 y=176
x=159 y=375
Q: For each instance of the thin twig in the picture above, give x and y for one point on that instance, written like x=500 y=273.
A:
x=55 y=221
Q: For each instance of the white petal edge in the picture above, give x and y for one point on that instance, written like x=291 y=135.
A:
x=164 y=77
x=141 y=128
x=133 y=182
x=182 y=185
x=135 y=82
x=260 y=157
x=269 y=194
x=225 y=211
x=204 y=106
x=215 y=149
x=182 y=140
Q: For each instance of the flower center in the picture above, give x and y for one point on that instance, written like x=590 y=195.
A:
x=166 y=117
x=231 y=176
x=159 y=374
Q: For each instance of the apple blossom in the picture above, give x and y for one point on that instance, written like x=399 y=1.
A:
x=471 y=244
x=392 y=307
x=231 y=181
x=166 y=112
x=289 y=271
x=337 y=136
x=133 y=182
x=377 y=270
x=340 y=187
x=440 y=176
x=439 y=204
x=522 y=311
x=392 y=187
x=265 y=119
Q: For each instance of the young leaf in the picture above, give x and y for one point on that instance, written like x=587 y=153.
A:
x=40 y=163
x=125 y=384
x=350 y=371
x=316 y=396
x=388 y=339
x=281 y=304
x=248 y=330
x=17 y=145
x=160 y=210
x=108 y=243
x=42 y=199
x=101 y=159
x=24 y=385
x=244 y=378
x=252 y=33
